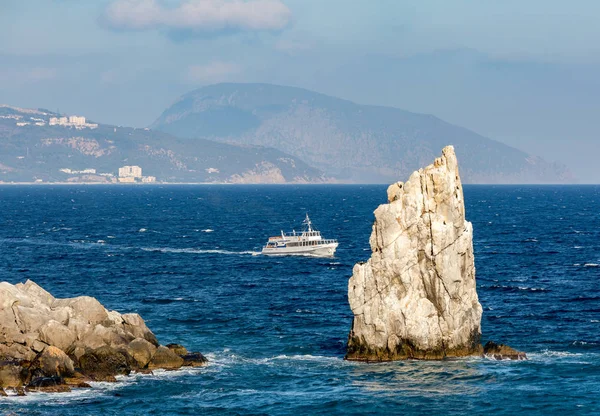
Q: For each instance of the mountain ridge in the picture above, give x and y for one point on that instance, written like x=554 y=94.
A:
x=353 y=142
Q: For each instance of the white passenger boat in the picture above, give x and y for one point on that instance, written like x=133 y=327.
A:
x=305 y=243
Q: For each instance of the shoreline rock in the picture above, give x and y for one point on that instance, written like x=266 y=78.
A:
x=416 y=297
x=502 y=352
x=53 y=345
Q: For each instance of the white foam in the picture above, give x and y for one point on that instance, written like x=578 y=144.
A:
x=208 y=230
x=306 y=311
x=591 y=265
x=308 y=357
x=142 y=230
x=533 y=289
x=233 y=359
x=548 y=353
x=98 y=387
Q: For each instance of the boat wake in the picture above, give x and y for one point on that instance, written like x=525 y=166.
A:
x=199 y=251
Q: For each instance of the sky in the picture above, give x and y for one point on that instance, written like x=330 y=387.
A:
x=521 y=72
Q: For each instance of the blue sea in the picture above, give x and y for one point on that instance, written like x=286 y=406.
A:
x=274 y=329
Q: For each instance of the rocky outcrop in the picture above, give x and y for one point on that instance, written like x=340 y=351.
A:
x=416 y=297
x=502 y=352
x=47 y=344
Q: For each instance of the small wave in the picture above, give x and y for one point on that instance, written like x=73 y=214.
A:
x=306 y=311
x=308 y=357
x=233 y=359
x=56 y=229
x=142 y=230
x=208 y=230
x=165 y=301
x=591 y=265
x=533 y=289
x=84 y=243
x=549 y=353
x=513 y=288
x=584 y=343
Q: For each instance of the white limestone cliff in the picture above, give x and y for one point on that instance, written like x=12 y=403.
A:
x=416 y=296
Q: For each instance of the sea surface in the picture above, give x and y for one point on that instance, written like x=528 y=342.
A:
x=274 y=329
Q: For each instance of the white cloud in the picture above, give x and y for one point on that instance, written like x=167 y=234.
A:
x=215 y=71
x=198 y=15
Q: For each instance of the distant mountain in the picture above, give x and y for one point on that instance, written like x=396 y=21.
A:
x=31 y=149
x=356 y=143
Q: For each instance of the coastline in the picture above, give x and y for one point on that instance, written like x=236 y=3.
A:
x=270 y=184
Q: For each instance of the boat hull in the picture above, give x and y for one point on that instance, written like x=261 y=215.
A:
x=323 y=250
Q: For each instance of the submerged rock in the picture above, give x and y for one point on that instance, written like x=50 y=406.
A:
x=194 y=360
x=502 y=352
x=48 y=343
x=416 y=297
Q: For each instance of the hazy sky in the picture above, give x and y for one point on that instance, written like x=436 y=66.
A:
x=522 y=72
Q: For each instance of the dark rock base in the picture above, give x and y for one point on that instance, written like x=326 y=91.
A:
x=46 y=373
x=358 y=350
x=502 y=352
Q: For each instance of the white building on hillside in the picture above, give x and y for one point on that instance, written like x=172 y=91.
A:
x=72 y=121
x=130 y=172
x=77 y=121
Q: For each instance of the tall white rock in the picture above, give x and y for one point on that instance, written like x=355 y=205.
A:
x=416 y=296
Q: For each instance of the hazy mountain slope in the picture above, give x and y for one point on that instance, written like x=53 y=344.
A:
x=358 y=143
x=31 y=152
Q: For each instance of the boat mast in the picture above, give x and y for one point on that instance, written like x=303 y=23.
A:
x=308 y=223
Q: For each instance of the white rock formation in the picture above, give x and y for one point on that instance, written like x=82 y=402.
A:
x=74 y=339
x=31 y=319
x=416 y=297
